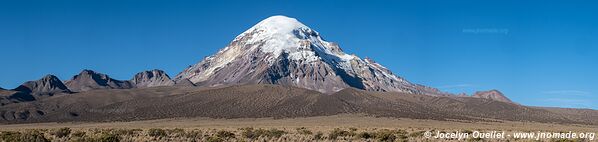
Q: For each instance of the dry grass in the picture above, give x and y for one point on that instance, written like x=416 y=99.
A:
x=320 y=123
x=326 y=128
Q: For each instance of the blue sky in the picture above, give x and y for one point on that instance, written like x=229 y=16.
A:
x=537 y=52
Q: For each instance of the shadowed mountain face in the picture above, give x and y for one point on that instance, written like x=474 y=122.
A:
x=47 y=86
x=10 y=96
x=255 y=101
x=90 y=80
x=281 y=50
x=493 y=95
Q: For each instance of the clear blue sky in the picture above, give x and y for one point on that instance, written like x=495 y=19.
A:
x=537 y=52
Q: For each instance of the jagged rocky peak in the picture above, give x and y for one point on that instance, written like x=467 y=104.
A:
x=91 y=80
x=48 y=85
x=493 y=95
x=282 y=50
x=151 y=78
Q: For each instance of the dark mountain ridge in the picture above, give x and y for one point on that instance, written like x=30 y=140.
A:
x=91 y=80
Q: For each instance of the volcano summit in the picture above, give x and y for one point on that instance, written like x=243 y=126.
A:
x=281 y=50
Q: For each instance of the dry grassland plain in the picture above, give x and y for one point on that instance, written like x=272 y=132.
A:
x=348 y=127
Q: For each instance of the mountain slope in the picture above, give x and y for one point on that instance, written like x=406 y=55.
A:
x=10 y=96
x=282 y=50
x=91 y=80
x=46 y=86
x=493 y=95
x=183 y=82
x=151 y=78
x=259 y=101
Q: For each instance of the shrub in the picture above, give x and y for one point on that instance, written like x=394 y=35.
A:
x=225 y=134
x=385 y=135
x=318 y=135
x=156 y=132
x=78 y=134
x=95 y=130
x=417 y=134
x=83 y=139
x=62 y=132
x=194 y=134
x=402 y=137
x=275 y=133
x=214 y=139
x=364 y=135
x=337 y=133
x=252 y=134
x=126 y=132
x=176 y=132
x=303 y=131
x=9 y=136
x=33 y=136
x=401 y=134
x=30 y=136
x=249 y=133
x=109 y=138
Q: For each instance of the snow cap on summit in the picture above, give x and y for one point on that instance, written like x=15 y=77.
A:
x=279 y=24
x=281 y=34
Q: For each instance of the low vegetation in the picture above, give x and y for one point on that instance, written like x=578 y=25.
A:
x=62 y=132
x=156 y=132
x=251 y=133
x=218 y=135
x=27 y=136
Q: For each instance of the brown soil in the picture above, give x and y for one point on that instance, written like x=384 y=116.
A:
x=273 y=101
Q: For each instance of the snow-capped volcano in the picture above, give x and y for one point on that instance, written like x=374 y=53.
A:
x=280 y=34
x=282 y=50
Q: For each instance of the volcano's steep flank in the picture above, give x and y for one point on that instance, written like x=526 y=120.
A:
x=281 y=50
